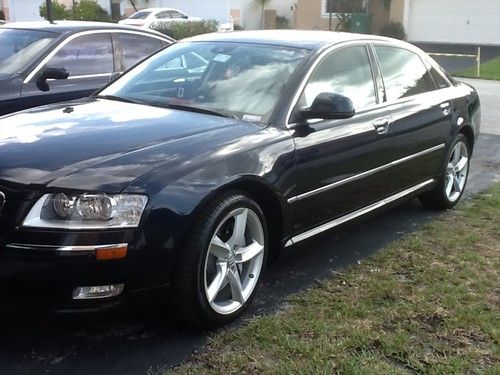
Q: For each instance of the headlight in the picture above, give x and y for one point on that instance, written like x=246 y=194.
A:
x=86 y=211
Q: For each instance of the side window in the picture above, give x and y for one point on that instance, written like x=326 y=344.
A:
x=438 y=79
x=163 y=15
x=347 y=72
x=404 y=73
x=194 y=61
x=175 y=14
x=85 y=55
x=133 y=48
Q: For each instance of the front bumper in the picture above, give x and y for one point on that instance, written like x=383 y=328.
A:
x=42 y=277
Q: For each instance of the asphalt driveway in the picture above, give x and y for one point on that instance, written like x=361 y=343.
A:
x=137 y=343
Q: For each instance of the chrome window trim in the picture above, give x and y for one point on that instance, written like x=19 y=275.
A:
x=2 y=201
x=35 y=247
x=90 y=76
x=306 y=78
x=364 y=174
x=84 y=33
x=353 y=215
x=370 y=43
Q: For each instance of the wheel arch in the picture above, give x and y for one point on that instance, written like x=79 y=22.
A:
x=267 y=199
x=468 y=132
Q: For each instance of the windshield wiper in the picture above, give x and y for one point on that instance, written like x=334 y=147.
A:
x=184 y=107
x=119 y=98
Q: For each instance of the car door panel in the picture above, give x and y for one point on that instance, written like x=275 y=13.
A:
x=421 y=115
x=88 y=59
x=10 y=95
x=341 y=163
x=61 y=90
x=341 y=166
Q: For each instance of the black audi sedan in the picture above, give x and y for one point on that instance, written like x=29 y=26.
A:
x=183 y=183
x=42 y=62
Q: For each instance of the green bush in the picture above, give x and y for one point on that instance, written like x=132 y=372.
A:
x=394 y=30
x=59 y=11
x=84 y=10
x=90 y=10
x=181 y=30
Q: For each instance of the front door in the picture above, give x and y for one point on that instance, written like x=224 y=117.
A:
x=89 y=61
x=341 y=163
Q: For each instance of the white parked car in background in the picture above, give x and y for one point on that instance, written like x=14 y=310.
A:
x=146 y=17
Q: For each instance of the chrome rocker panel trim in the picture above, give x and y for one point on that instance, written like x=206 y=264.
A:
x=343 y=219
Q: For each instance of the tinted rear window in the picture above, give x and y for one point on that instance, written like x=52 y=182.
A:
x=139 y=15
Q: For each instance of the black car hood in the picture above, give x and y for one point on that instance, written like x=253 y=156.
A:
x=98 y=144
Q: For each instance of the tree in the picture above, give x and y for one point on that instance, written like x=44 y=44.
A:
x=132 y=2
x=59 y=11
x=90 y=10
x=262 y=4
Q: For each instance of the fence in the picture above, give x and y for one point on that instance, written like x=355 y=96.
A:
x=477 y=57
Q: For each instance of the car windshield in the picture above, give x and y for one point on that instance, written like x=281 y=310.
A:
x=20 y=47
x=139 y=15
x=236 y=80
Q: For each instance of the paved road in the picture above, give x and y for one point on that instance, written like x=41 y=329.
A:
x=125 y=342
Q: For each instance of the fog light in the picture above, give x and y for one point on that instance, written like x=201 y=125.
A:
x=92 y=292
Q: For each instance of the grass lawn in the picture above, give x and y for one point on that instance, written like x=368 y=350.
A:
x=489 y=70
x=429 y=303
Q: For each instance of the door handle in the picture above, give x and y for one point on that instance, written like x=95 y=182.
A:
x=382 y=125
x=446 y=108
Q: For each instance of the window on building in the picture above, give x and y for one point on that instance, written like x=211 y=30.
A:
x=343 y=6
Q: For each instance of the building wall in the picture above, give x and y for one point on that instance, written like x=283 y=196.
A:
x=251 y=13
x=397 y=11
x=309 y=15
x=4 y=6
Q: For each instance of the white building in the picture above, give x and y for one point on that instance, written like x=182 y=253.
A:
x=245 y=12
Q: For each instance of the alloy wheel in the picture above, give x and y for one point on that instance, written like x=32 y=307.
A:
x=456 y=172
x=234 y=261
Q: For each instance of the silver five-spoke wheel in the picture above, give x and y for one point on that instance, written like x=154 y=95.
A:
x=234 y=260
x=456 y=172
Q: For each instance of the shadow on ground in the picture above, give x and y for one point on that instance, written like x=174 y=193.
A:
x=124 y=341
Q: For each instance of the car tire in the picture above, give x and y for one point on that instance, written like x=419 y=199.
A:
x=220 y=266
x=453 y=177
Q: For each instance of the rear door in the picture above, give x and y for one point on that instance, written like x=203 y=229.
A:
x=130 y=48
x=89 y=61
x=421 y=115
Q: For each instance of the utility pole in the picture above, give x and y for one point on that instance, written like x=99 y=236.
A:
x=330 y=10
x=50 y=15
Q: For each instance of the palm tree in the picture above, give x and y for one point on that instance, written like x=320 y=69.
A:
x=262 y=4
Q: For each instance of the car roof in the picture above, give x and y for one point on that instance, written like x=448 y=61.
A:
x=157 y=10
x=289 y=38
x=63 y=27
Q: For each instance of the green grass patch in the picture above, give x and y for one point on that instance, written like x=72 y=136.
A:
x=489 y=70
x=429 y=303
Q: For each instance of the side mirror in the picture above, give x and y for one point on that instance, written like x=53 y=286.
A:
x=113 y=77
x=50 y=73
x=54 y=73
x=330 y=106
